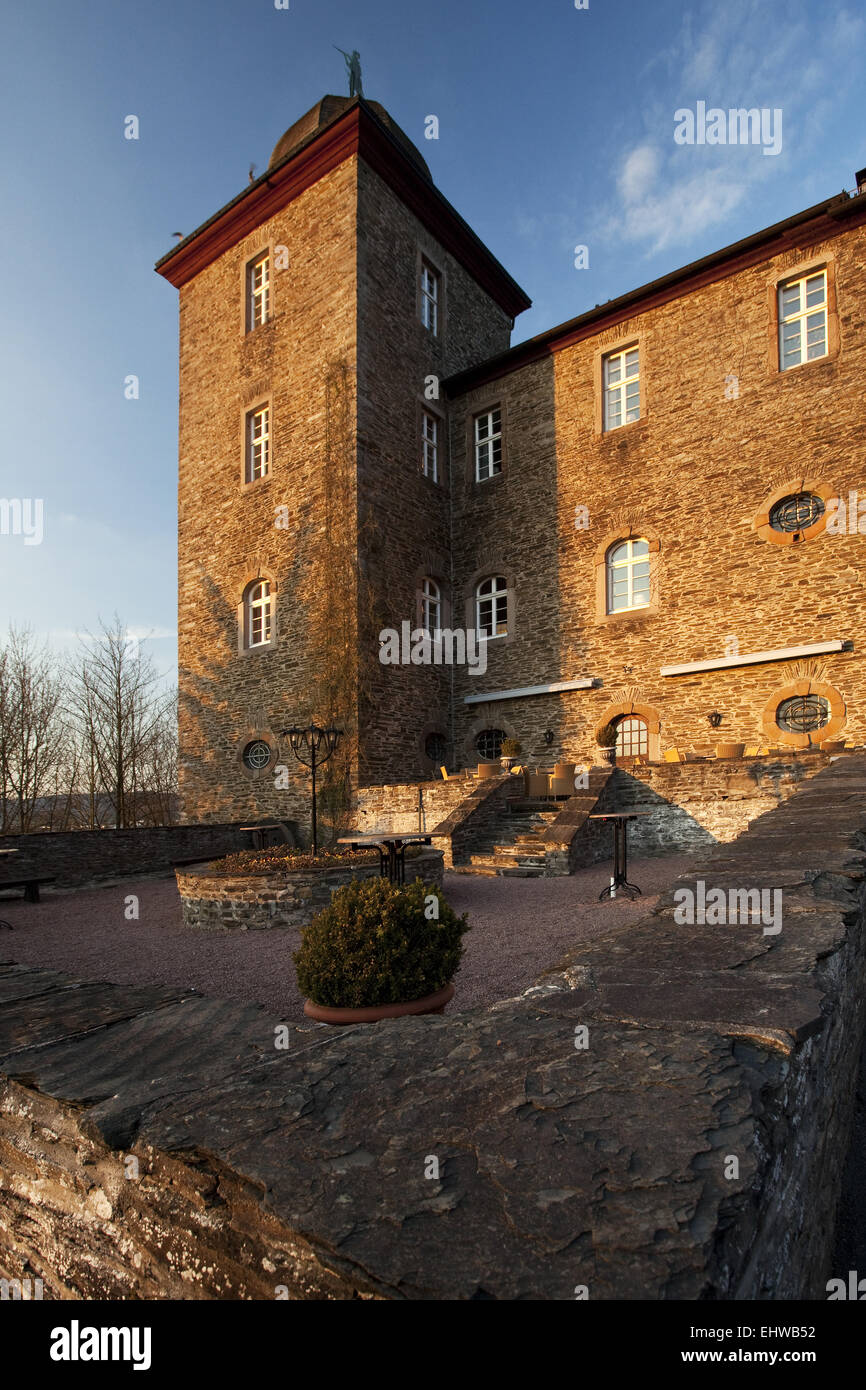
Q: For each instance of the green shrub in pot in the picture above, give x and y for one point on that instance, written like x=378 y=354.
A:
x=376 y=944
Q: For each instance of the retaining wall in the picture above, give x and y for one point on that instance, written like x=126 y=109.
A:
x=689 y=807
x=254 y=902
x=77 y=856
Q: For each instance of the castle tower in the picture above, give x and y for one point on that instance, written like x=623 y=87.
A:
x=318 y=311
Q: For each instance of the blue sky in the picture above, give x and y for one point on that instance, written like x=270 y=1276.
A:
x=556 y=129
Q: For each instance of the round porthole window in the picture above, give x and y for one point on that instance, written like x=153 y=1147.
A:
x=256 y=755
x=802 y=714
x=797 y=512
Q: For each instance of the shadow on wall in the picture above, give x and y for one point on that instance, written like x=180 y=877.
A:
x=700 y=805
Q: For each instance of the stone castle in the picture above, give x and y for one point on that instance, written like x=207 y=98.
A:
x=647 y=515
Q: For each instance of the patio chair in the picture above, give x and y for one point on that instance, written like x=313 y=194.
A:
x=673 y=755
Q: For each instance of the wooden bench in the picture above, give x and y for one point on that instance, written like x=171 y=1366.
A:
x=31 y=886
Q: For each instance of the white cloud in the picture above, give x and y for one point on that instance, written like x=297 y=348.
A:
x=736 y=55
x=639 y=173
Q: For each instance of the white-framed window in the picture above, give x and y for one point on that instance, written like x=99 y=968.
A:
x=628 y=575
x=488 y=444
x=258 y=463
x=431 y=606
x=491 y=607
x=430 y=298
x=258 y=291
x=632 y=737
x=802 y=319
x=259 y=614
x=621 y=374
x=430 y=446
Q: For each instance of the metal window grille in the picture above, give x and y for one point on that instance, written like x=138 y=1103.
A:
x=803 y=713
x=489 y=744
x=796 y=512
x=256 y=755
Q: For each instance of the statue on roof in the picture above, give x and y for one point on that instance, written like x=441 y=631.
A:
x=353 y=68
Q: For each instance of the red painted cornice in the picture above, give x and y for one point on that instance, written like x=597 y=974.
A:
x=804 y=229
x=356 y=131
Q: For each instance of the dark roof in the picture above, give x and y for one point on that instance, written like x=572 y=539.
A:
x=810 y=225
x=326 y=111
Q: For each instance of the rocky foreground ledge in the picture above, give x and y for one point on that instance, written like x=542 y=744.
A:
x=665 y=1115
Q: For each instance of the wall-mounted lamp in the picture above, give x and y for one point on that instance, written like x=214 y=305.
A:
x=548 y=736
x=715 y=719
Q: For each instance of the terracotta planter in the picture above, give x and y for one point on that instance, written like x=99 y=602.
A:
x=729 y=750
x=430 y=1004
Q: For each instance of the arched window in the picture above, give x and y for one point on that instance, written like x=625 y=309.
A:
x=632 y=738
x=258 y=617
x=431 y=606
x=489 y=744
x=628 y=575
x=491 y=607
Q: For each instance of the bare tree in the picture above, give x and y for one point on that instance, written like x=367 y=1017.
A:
x=31 y=727
x=121 y=711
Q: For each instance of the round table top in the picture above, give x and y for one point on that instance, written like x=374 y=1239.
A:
x=373 y=837
x=618 y=815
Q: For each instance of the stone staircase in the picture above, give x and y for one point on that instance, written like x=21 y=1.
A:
x=515 y=846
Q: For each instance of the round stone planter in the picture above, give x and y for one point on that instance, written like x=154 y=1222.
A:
x=607 y=756
x=430 y=1004
x=259 y=902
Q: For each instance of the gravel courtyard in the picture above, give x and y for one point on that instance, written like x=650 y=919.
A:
x=519 y=927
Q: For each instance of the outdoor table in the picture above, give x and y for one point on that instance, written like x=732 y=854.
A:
x=620 y=837
x=10 y=851
x=392 y=850
x=258 y=833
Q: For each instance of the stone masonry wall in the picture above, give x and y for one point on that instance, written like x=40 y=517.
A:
x=256 y=902
x=227 y=534
x=262 y=1171
x=691 y=475
x=692 y=806
x=395 y=807
x=77 y=856
x=405 y=517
